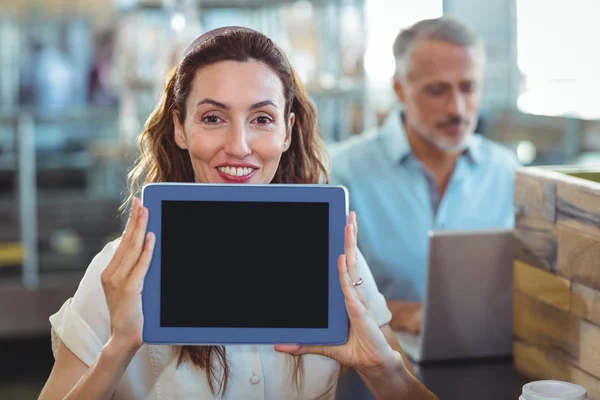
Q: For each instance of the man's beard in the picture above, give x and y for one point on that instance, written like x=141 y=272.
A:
x=442 y=143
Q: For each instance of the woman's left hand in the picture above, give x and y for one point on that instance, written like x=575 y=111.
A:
x=366 y=346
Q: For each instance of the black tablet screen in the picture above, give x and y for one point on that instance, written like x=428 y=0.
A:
x=244 y=264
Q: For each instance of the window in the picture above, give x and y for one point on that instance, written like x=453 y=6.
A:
x=558 y=58
x=385 y=19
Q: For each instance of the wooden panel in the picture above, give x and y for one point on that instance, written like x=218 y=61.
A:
x=579 y=227
x=546 y=325
x=536 y=242
x=535 y=197
x=543 y=286
x=585 y=303
x=535 y=363
x=557 y=317
x=589 y=345
x=578 y=200
x=579 y=256
x=555 y=329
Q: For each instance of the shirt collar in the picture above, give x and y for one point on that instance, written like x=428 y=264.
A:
x=393 y=137
x=395 y=143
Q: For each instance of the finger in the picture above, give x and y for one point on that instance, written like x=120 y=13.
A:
x=352 y=220
x=354 y=224
x=134 y=246
x=139 y=271
x=129 y=228
x=351 y=252
x=345 y=280
x=353 y=261
x=351 y=292
x=296 y=350
x=136 y=207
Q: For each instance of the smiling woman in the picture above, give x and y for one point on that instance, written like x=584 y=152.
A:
x=233 y=101
x=237 y=130
x=233 y=110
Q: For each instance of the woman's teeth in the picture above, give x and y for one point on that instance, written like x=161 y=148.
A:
x=236 y=171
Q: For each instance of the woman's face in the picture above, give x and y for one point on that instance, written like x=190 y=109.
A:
x=235 y=129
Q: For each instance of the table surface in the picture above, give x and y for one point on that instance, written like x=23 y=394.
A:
x=490 y=379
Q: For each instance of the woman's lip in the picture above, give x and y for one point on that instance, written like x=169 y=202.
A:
x=237 y=165
x=236 y=179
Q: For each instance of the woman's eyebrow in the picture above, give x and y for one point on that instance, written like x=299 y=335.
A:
x=226 y=107
x=262 y=104
x=213 y=102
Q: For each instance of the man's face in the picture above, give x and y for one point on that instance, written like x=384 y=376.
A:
x=441 y=92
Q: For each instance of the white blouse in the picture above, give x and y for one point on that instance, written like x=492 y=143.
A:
x=256 y=372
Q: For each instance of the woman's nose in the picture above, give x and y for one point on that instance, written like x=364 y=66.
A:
x=237 y=144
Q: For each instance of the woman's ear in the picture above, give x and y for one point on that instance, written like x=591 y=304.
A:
x=288 y=132
x=180 y=139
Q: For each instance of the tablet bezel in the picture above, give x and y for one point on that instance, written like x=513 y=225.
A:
x=336 y=196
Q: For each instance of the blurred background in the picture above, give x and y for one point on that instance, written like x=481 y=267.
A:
x=78 y=79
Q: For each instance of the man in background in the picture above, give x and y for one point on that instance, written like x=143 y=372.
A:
x=424 y=168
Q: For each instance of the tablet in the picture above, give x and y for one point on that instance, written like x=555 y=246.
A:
x=245 y=264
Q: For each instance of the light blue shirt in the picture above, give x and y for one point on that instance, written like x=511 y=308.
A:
x=395 y=200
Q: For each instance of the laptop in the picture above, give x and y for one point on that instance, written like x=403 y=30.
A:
x=467 y=305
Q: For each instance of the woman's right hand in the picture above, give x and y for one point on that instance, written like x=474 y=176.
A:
x=123 y=280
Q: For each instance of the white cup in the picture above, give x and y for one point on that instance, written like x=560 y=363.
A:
x=553 y=390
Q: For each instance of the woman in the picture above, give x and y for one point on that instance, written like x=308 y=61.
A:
x=232 y=111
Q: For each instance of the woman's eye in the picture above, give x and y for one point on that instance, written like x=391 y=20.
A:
x=211 y=119
x=263 y=120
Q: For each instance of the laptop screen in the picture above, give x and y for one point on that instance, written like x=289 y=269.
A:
x=244 y=264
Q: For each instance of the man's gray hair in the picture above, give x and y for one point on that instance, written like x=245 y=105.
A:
x=446 y=29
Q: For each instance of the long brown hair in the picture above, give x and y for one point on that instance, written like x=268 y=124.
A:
x=161 y=160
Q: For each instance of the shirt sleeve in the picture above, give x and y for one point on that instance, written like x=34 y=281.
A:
x=83 y=322
x=375 y=299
